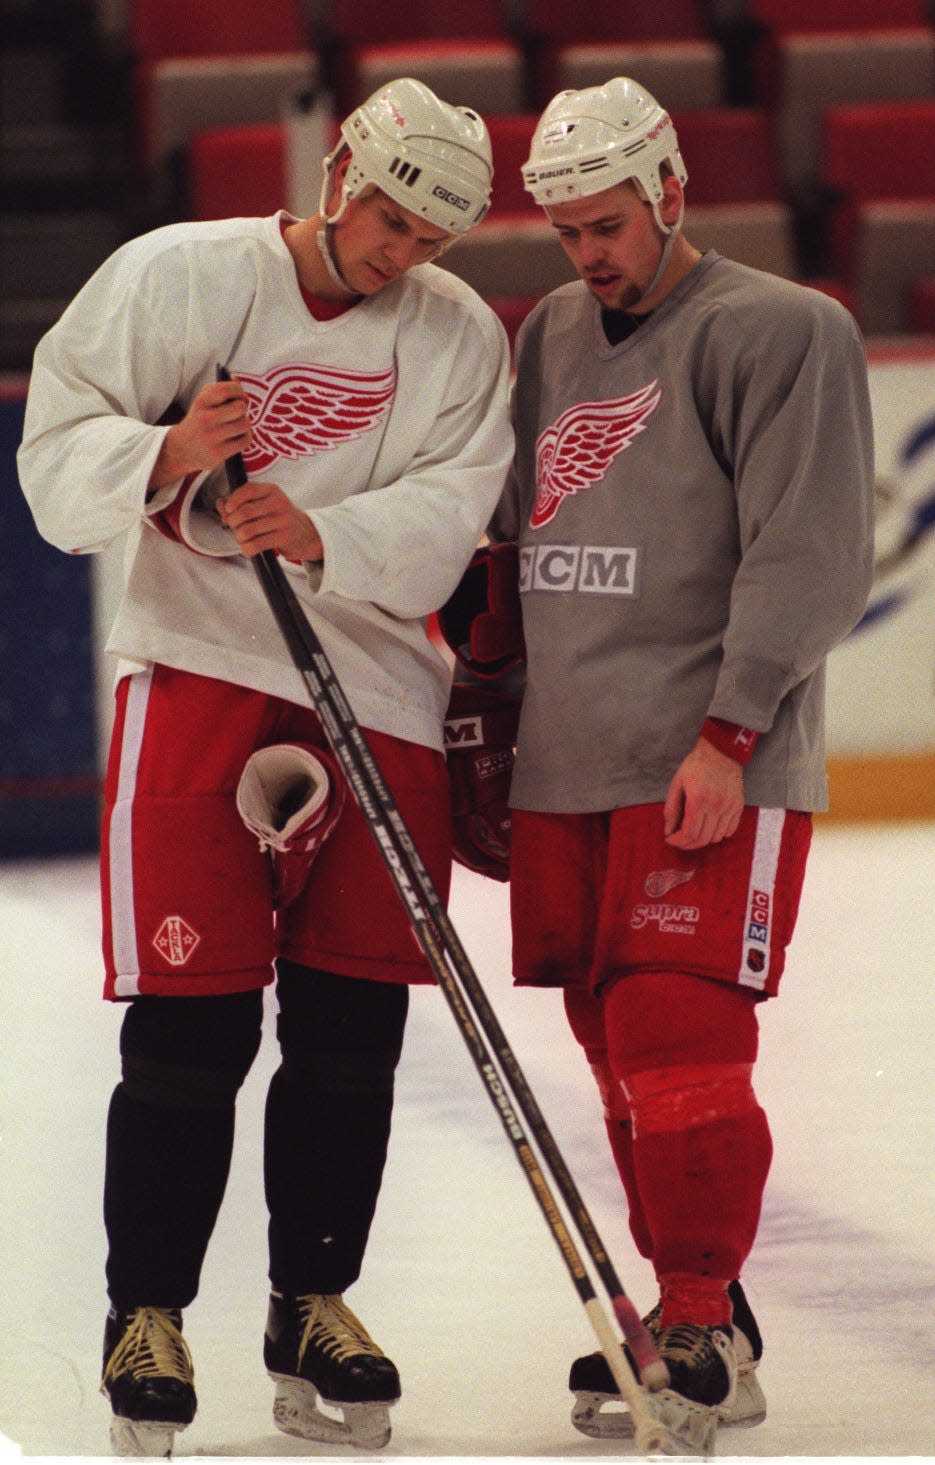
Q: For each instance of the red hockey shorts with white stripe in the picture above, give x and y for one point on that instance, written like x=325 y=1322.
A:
x=187 y=892
x=594 y=896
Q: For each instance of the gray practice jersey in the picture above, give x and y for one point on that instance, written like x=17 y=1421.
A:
x=694 y=509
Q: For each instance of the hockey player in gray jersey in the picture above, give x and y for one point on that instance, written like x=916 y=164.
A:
x=370 y=404
x=692 y=501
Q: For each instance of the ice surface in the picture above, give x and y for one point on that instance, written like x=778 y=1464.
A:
x=463 y=1283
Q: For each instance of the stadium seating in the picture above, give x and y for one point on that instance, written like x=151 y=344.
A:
x=878 y=162
x=235 y=171
x=208 y=63
x=734 y=200
x=238 y=171
x=510 y=141
x=814 y=54
x=666 y=46
x=463 y=49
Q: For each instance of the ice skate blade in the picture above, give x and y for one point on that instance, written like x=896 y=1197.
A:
x=690 y=1429
x=143 y=1437
x=606 y=1417
x=366 y=1426
x=601 y=1416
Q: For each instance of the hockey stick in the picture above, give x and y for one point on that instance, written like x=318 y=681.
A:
x=455 y=975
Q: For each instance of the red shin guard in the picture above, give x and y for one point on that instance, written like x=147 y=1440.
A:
x=673 y=1056
x=682 y=1049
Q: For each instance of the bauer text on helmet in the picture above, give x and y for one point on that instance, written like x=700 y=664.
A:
x=590 y=140
x=430 y=157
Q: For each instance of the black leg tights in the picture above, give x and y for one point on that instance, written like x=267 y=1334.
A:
x=328 y=1123
x=170 y=1135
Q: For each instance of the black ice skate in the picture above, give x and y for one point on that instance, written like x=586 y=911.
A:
x=316 y=1349
x=148 y=1378
x=599 y=1411
x=702 y=1368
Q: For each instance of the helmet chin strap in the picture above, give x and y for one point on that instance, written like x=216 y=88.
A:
x=326 y=227
x=671 y=232
x=663 y=265
x=324 y=249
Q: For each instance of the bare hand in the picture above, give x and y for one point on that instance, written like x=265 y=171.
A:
x=262 y=517
x=705 y=799
x=214 y=427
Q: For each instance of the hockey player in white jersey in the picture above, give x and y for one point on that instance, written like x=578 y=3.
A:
x=369 y=401
x=693 y=503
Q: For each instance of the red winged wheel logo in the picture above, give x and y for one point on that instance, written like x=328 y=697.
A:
x=298 y=410
x=578 y=449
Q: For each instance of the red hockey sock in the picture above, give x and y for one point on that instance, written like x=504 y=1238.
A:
x=701 y=1189
x=682 y=1050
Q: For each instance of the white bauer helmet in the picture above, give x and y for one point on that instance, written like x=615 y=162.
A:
x=428 y=156
x=593 y=139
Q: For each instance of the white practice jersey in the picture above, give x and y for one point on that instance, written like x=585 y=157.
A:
x=388 y=424
x=694 y=510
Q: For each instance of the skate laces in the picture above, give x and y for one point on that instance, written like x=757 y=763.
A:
x=151 y=1347
x=330 y=1326
x=651 y=1320
x=701 y=1362
x=688 y=1343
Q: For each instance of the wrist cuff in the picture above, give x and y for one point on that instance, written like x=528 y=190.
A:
x=193 y=522
x=730 y=738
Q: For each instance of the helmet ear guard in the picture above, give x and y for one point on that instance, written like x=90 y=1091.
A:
x=591 y=140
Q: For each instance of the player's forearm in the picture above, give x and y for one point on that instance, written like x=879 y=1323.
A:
x=170 y=465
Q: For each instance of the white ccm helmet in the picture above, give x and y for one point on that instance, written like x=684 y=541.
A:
x=593 y=139
x=428 y=156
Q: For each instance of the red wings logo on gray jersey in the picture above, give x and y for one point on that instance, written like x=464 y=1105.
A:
x=299 y=410
x=577 y=451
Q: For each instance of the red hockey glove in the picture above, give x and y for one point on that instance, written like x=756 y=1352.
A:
x=482 y=622
x=480 y=732
x=291 y=797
